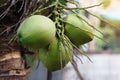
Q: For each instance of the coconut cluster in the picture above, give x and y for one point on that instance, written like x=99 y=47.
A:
x=38 y=32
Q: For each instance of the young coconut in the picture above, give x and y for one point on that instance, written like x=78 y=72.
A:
x=36 y=31
x=56 y=56
x=78 y=31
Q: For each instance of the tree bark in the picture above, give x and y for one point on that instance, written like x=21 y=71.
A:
x=12 y=65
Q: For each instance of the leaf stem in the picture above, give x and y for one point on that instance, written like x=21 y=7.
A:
x=80 y=8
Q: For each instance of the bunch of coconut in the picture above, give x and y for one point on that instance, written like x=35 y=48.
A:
x=38 y=33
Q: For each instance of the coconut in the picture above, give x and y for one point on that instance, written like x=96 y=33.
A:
x=56 y=56
x=36 y=31
x=77 y=30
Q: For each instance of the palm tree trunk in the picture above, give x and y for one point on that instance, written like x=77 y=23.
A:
x=12 y=66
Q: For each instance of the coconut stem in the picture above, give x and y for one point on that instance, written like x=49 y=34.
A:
x=49 y=75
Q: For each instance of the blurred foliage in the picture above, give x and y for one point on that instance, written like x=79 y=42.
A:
x=113 y=17
x=108 y=36
x=106 y=3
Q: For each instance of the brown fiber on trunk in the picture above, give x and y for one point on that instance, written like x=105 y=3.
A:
x=12 y=65
x=7 y=61
x=12 y=69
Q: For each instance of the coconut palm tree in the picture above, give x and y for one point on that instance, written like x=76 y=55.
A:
x=13 y=63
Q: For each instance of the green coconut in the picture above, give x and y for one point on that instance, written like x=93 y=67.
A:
x=77 y=30
x=56 y=56
x=36 y=31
